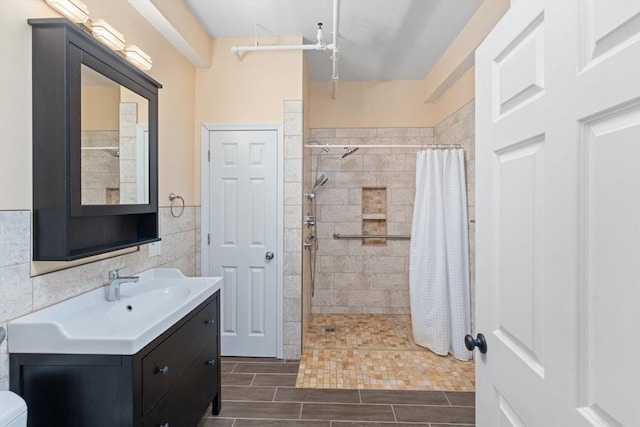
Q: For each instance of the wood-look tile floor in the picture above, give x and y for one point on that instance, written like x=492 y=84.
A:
x=261 y=393
x=372 y=351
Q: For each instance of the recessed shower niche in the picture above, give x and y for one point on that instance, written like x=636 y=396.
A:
x=374 y=215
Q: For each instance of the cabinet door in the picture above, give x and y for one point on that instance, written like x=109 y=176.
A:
x=188 y=400
x=163 y=366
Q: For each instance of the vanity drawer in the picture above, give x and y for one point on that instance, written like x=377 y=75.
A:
x=187 y=401
x=165 y=363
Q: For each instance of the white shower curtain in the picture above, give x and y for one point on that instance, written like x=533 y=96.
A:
x=439 y=257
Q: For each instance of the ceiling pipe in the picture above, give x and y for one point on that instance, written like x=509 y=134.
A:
x=334 y=47
x=320 y=45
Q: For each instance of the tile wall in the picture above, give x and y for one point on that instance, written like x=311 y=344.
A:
x=21 y=294
x=357 y=278
x=100 y=170
x=128 y=152
x=352 y=277
x=293 y=159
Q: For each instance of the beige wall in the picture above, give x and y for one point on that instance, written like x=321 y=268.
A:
x=458 y=95
x=248 y=90
x=176 y=108
x=15 y=102
x=461 y=51
x=398 y=103
x=99 y=107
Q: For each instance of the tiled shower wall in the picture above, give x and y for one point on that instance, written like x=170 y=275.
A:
x=100 y=170
x=293 y=141
x=21 y=294
x=459 y=128
x=352 y=277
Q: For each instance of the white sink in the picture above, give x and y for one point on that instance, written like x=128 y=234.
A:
x=89 y=324
x=146 y=306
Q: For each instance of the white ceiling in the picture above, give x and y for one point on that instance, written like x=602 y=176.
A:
x=379 y=39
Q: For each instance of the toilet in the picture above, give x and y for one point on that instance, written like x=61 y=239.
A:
x=13 y=410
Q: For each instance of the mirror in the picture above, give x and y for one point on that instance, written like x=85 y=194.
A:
x=114 y=144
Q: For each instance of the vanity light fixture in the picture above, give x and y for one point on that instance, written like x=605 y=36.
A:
x=106 y=34
x=137 y=57
x=75 y=10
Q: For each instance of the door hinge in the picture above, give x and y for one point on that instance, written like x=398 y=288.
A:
x=208 y=239
x=208 y=155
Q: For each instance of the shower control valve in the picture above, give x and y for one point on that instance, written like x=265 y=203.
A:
x=309 y=220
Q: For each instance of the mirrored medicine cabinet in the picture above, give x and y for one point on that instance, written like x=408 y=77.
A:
x=95 y=146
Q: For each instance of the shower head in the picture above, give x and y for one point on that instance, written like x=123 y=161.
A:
x=322 y=180
x=350 y=151
x=112 y=152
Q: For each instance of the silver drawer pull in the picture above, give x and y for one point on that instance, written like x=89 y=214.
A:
x=210 y=322
x=165 y=425
x=211 y=362
x=164 y=371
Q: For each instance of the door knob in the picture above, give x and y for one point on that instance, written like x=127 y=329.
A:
x=269 y=255
x=471 y=342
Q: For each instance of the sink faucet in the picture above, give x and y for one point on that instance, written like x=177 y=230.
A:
x=115 y=280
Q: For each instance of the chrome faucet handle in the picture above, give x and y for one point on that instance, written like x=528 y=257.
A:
x=114 y=274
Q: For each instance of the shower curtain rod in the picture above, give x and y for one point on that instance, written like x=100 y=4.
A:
x=441 y=146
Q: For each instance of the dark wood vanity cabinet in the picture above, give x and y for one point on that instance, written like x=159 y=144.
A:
x=170 y=382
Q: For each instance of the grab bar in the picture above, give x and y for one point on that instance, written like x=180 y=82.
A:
x=380 y=236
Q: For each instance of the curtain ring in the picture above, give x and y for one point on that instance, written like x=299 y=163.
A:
x=172 y=198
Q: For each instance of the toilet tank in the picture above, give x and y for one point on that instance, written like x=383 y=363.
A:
x=13 y=410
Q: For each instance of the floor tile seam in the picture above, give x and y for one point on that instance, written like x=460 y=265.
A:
x=252 y=380
x=393 y=411
x=404 y=350
x=447 y=397
x=321 y=403
x=265 y=363
x=341 y=420
x=233 y=369
x=431 y=406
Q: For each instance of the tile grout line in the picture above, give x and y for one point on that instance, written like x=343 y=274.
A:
x=393 y=411
x=447 y=397
x=300 y=413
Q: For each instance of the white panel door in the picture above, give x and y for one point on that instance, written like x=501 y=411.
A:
x=558 y=216
x=243 y=226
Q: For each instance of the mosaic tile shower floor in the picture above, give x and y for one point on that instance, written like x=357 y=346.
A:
x=369 y=351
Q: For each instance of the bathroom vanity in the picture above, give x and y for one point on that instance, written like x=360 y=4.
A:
x=159 y=375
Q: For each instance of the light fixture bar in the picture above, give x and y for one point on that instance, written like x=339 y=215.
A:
x=75 y=10
x=137 y=57
x=108 y=35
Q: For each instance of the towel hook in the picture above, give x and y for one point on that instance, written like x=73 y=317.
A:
x=172 y=198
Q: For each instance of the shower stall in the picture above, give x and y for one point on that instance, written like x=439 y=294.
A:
x=359 y=195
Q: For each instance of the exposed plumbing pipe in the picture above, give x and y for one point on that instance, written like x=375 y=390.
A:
x=334 y=47
x=237 y=49
x=320 y=45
